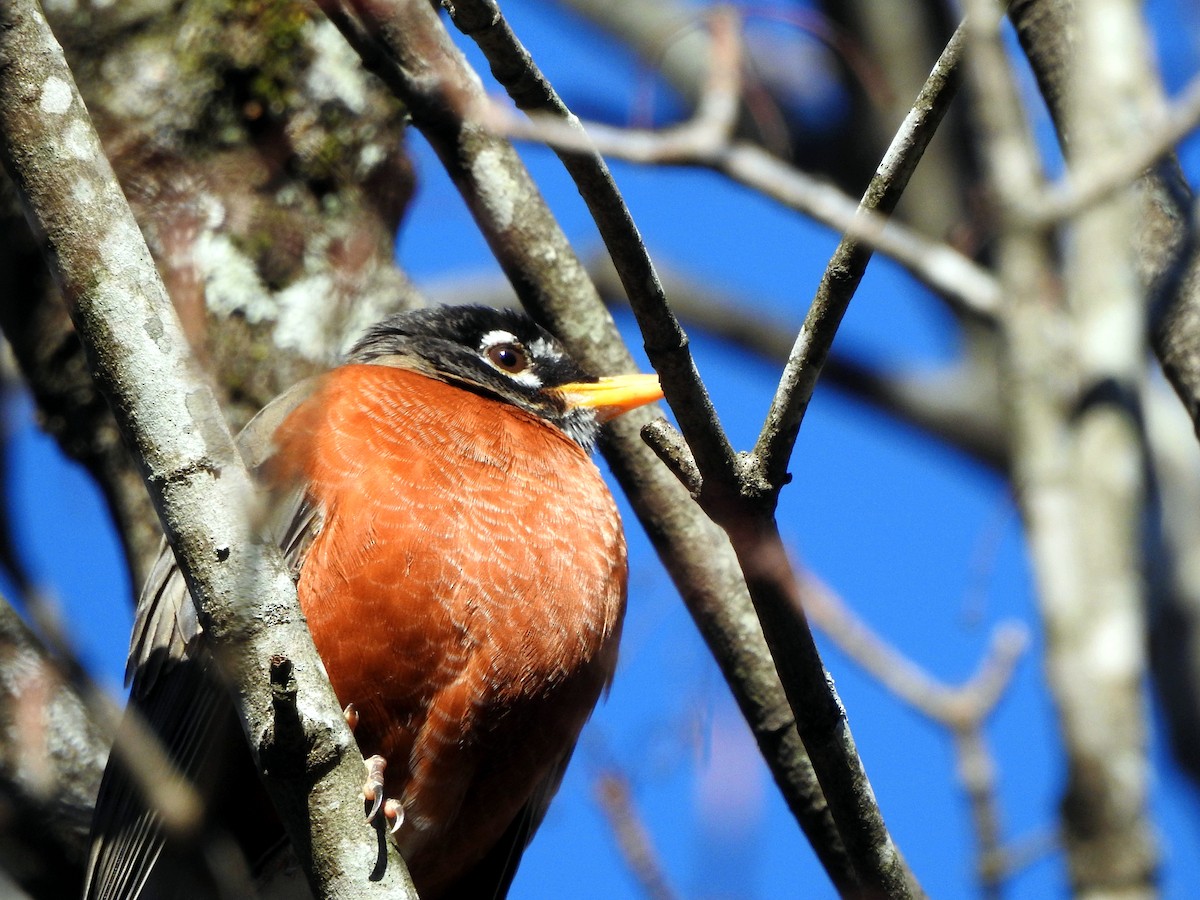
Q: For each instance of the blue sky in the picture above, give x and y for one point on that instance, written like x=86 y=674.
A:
x=922 y=542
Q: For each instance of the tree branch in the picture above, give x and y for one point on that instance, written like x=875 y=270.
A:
x=170 y=420
x=616 y=801
x=744 y=506
x=706 y=140
x=1076 y=369
x=818 y=711
x=1085 y=186
x=819 y=715
x=963 y=710
x=666 y=343
x=848 y=265
x=407 y=46
x=1165 y=250
x=51 y=759
x=958 y=403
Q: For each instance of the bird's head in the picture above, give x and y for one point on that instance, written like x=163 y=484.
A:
x=504 y=354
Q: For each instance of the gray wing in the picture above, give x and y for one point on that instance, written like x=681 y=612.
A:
x=177 y=693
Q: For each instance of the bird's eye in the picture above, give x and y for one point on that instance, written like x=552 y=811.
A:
x=509 y=358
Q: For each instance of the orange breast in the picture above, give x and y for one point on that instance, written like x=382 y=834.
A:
x=465 y=591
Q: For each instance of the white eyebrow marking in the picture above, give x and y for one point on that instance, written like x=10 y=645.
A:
x=498 y=336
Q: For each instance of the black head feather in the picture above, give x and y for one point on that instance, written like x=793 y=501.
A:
x=501 y=353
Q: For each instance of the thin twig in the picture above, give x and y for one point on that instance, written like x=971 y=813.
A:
x=820 y=717
x=666 y=343
x=952 y=706
x=968 y=287
x=754 y=533
x=1082 y=188
x=745 y=506
x=406 y=45
x=706 y=140
x=51 y=759
x=178 y=805
x=633 y=840
x=848 y=265
x=962 y=709
x=958 y=404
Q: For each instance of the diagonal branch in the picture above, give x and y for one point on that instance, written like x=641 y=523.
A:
x=615 y=797
x=406 y=45
x=957 y=403
x=705 y=140
x=171 y=422
x=666 y=343
x=749 y=520
x=1083 y=187
x=819 y=714
x=848 y=265
x=961 y=709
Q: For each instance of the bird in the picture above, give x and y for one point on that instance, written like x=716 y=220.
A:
x=462 y=569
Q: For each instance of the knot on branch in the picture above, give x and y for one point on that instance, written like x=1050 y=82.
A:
x=184 y=473
x=296 y=747
x=754 y=483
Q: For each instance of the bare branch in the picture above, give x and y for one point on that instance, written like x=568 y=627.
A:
x=725 y=484
x=744 y=507
x=705 y=141
x=669 y=36
x=418 y=61
x=666 y=343
x=968 y=287
x=953 y=707
x=848 y=265
x=702 y=139
x=962 y=709
x=615 y=799
x=1169 y=266
x=1077 y=457
x=51 y=759
x=1166 y=257
x=669 y=446
x=1087 y=185
x=169 y=418
x=1107 y=829
x=959 y=403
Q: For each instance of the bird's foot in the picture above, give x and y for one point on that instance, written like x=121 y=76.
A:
x=393 y=812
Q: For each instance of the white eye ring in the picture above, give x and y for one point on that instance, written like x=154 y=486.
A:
x=504 y=352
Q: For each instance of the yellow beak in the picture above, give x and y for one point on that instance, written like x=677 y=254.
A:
x=612 y=396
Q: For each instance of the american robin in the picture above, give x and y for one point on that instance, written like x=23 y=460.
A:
x=462 y=568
